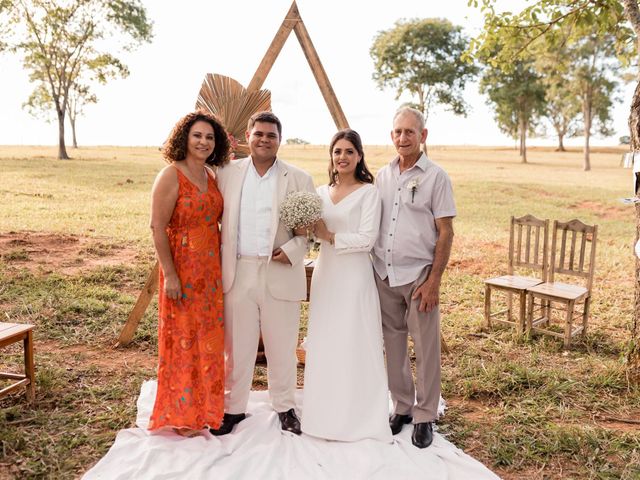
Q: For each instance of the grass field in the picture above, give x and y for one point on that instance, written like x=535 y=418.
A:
x=75 y=251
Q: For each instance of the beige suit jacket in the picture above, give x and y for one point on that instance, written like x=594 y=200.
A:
x=285 y=282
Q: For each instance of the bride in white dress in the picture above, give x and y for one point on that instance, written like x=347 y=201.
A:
x=345 y=383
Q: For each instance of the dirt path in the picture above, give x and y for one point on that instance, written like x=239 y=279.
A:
x=62 y=253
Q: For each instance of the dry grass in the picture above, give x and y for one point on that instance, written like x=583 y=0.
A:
x=524 y=407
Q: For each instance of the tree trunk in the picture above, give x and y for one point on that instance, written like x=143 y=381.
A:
x=587 y=160
x=561 y=144
x=523 y=140
x=586 y=112
x=72 y=121
x=62 y=149
x=425 y=113
x=633 y=355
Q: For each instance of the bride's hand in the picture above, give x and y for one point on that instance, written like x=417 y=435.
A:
x=320 y=230
x=301 y=231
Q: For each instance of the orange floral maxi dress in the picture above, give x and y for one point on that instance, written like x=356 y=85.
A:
x=191 y=331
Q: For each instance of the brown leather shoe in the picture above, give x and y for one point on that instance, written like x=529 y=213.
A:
x=290 y=422
x=397 y=421
x=229 y=421
x=422 y=434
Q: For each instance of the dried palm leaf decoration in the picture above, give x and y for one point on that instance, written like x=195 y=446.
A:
x=233 y=104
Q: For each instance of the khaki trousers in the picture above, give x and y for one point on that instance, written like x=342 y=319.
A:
x=400 y=317
x=250 y=310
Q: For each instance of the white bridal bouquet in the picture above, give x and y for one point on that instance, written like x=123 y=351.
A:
x=300 y=209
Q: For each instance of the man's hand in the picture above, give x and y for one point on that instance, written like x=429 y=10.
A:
x=429 y=294
x=278 y=255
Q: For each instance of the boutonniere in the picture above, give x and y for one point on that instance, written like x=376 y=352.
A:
x=413 y=186
x=233 y=145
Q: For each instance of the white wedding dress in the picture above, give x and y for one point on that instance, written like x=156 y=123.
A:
x=345 y=383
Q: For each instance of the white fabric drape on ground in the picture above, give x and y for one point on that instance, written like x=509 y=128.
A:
x=258 y=449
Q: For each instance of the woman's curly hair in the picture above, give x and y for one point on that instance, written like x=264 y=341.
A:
x=175 y=147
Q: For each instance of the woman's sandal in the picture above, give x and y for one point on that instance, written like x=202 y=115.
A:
x=187 y=432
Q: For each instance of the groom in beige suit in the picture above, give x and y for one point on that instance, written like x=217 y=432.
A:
x=263 y=273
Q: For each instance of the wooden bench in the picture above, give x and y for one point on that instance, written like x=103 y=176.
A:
x=11 y=333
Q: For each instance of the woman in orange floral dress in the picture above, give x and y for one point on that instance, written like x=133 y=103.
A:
x=185 y=209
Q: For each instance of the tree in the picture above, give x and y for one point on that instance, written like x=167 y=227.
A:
x=79 y=97
x=296 y=141
x=591 y=56
x=40 y=104
x=562 y=109
x=4 y=23
x=518 y=99
x=424 y=59
x=61 y=42
x=605 y=17
x=576 y=64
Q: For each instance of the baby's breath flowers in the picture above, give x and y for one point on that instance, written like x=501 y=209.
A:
x=300 y=209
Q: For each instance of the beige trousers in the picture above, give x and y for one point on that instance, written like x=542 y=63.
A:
x=400 y=317
x=250 y=310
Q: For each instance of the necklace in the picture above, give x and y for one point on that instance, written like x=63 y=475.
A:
x=195 y=177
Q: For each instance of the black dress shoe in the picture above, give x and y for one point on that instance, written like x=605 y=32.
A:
x=229 y=421
x=422 y=434
x=397 y=421
x=290 y=422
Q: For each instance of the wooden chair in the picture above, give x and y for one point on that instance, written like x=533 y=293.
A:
x=573 y=253
x=13 y=333
x=528 y=249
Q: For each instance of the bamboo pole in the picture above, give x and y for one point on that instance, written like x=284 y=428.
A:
x=291 y=19
x=320 y=75
x=139 y=308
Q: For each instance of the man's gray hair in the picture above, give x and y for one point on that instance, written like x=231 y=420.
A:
x=416 y=113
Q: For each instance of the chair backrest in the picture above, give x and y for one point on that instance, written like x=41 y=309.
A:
x=573 y=250
x=529 y=244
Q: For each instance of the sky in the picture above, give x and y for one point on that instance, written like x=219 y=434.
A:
x=196 y=37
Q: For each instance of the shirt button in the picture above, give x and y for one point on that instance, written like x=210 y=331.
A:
x=393 y=219
x=391 y=234
x=399 y=189
x=389 y=250
x=396 y=203
x=388 y=264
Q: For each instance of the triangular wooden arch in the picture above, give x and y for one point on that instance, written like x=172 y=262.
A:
x=292 y=21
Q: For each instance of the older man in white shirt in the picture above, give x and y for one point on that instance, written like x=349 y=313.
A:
x=263 y=273
x=410 y=256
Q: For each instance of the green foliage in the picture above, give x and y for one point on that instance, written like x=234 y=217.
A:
x=562 y=101
x=517 y=96
x=578 y=67
x=594 y=36
x=61 y=43
x=424 y=58
x=5 y=29
x=593 y=61
x=518 y=33
x=296 y=141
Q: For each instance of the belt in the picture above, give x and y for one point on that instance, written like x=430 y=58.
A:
x=253 y=257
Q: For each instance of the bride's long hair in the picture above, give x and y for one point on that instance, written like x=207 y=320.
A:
x=362 y=172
